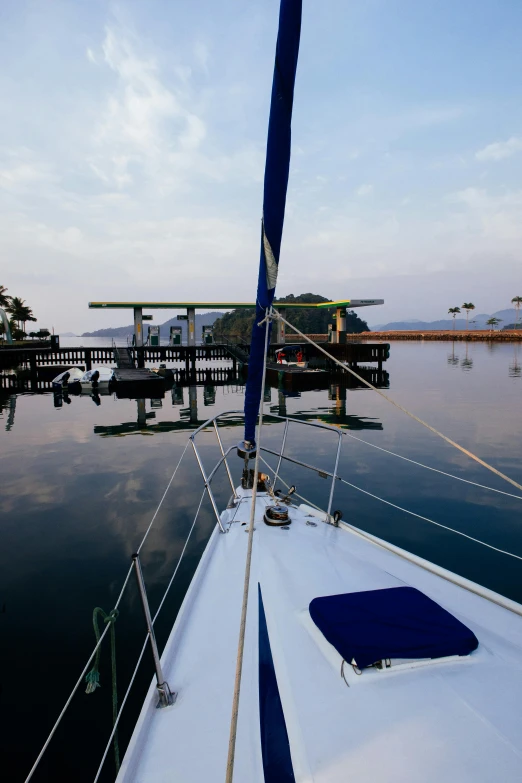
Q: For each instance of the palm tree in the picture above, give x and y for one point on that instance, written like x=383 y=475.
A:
x=4 y=299
x=454 y=311
x=20 y=312
x=468 y=306
x=493 y=322
x=517 y=301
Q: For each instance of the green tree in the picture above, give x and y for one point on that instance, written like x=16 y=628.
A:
x=20 y=312
x=4 y=299
x=454 y=311
x=313 y=320
x=493 y=322
x=468 y=307
x=517 y=301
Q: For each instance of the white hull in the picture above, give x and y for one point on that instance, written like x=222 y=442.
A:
x=441 y=720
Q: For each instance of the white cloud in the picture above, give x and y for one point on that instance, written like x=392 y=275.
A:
x=91 y=56
x=500 y=149
x=494 y=220
x=145 y=124
x=430 y=115
x=202 y=55
x=20 y=170
x=365 y=190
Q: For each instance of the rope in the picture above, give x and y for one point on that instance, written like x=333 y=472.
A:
x=77 y=685
x=92 y=678
x=400 y=407
x=426 y=519
x=435 y=470
x=242 y=625
x=144 y=647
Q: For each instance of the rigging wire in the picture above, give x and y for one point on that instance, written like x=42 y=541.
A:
x=400 y=407
x=95 y=650
x=405 y=510
x=79 y=681
x=242 y=624
x=163 y=497
x=144 y=647
x=435 y=470
x=427 y=519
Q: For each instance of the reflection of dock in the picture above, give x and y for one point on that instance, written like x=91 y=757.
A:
x=321 y=379
x=147 y=424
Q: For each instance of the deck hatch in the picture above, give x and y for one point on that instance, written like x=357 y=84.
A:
x=398 y=622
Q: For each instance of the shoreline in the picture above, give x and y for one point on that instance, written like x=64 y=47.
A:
x=463 y=335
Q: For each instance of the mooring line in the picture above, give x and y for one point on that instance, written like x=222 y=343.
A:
x=400 y=407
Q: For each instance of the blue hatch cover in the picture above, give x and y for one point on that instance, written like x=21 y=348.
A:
x=399 y=622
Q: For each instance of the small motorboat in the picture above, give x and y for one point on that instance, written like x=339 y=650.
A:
x=69 y=379
x=97 y=378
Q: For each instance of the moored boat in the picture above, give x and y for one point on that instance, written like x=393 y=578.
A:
x=69 y=379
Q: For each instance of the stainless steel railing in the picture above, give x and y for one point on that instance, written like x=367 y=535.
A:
x=214 y=423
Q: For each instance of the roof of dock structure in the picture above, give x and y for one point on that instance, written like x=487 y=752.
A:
x=231 y=305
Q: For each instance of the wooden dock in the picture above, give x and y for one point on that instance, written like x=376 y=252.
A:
x=35 y=366
x=138 y=382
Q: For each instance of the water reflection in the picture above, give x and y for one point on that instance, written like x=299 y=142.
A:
x=451 y=358
x=146 y=423
x=63 y=395
x=74 y=505
x=334 y=416
x=515 y=369
x=467 y=362
x=8 y=404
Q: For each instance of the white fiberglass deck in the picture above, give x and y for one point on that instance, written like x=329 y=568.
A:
x=454 y=720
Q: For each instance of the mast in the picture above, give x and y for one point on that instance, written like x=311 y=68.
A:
x=277 y=167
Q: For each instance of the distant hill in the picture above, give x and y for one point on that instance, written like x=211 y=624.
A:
x=204 y=319
x=506 y=316
x=310 y=321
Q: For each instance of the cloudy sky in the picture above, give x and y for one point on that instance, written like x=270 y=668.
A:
x=132 y=140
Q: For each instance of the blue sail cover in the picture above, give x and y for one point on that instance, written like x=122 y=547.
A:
x=398 y=622
x=274 y=195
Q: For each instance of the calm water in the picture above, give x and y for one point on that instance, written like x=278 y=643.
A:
x=80 y=484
